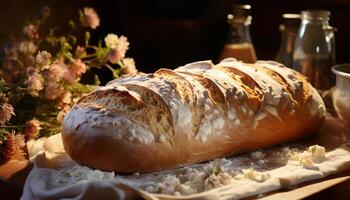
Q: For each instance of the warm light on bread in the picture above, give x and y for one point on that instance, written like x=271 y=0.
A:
x=198 y=112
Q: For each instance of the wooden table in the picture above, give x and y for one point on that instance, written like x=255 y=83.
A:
x=13 y=175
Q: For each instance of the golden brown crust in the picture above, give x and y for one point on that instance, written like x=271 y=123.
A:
x=182 y=85
x=210 y=111
x=214 y=91
x=158 y=106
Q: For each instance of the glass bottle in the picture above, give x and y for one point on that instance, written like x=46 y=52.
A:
x=289 y=30
x=314 y=52
x=239 y=44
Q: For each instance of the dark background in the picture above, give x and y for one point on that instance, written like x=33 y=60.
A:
x=168 y=33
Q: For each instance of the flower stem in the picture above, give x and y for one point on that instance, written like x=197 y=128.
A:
x=112 y=70
x=4 y=126
x=89 y=56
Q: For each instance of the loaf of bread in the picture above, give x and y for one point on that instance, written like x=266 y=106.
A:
x=197 y=112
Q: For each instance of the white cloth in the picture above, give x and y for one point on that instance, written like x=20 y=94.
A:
x=56 y=176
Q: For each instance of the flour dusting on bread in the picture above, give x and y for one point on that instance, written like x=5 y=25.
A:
x=194 y=113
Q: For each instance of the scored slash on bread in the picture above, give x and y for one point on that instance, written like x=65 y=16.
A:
x=187 y=92
x=197 y=112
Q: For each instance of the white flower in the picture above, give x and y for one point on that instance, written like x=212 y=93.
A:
x=34 y=81
x=128 y=66
x=55 y=71
x=118 y=46
x=53 y=90
x=43 y=58
x=111 y=40
x=123 y=46
x=74 y=70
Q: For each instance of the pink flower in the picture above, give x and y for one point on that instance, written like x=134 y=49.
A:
x=27 y=47
x=74 y=71
x=78 y=67
x=32 y=129
x=118 y=46
x=114 y=56
x=91 y=18
x=31 y=32
x=70 y=77
x=128 y=66
x=43 y=58
x=80 y=51
x=56 y=70
x=53 y=90
x=6 y=112
x=8 y=148
x=34 y=81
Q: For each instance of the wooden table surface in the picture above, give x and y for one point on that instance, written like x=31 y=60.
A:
x=13 y=175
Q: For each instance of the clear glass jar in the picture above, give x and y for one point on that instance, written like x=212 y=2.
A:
x=289 y=30
x=239 y=43
x=314 y=52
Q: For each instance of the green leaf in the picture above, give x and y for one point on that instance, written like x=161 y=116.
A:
x=99 y=43
x=97 y=80
x=116 y=73
x=73 y=39
x=82 y=18
x=68 y=55
x=72 y=24
x=87 y=37
x=79 y=88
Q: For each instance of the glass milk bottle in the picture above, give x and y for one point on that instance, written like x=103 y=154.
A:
x=239 y=44
x=289 y=30
x=314 y=52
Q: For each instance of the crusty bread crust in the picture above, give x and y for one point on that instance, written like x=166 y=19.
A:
x=197 y=112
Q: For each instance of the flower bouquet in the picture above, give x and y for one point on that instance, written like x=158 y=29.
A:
x=40 y=73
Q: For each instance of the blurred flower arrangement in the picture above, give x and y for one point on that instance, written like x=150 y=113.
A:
x=39 y=77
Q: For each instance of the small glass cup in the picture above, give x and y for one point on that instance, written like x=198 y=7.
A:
x=341 y=92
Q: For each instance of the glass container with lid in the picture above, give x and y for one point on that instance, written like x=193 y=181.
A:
x=314 y=52
x=239 y=44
